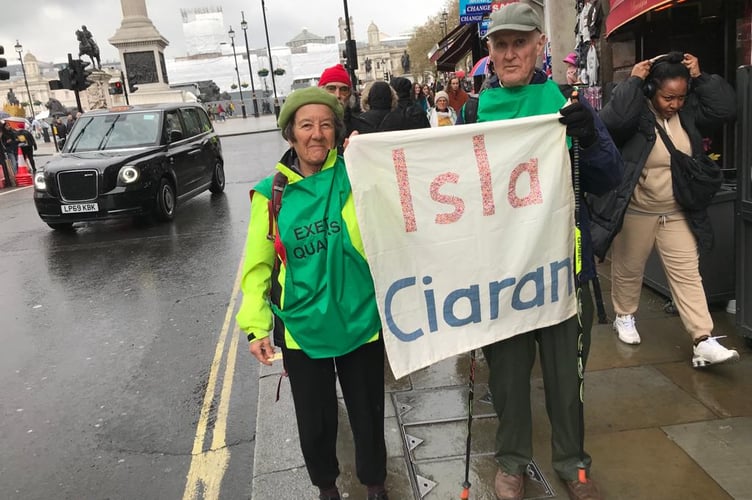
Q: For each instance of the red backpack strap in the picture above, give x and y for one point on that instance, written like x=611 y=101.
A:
x=275 y=205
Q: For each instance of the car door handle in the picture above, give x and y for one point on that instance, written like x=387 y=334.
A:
x=194 y=152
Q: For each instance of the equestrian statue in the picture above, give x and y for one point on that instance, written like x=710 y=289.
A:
x=87 y=46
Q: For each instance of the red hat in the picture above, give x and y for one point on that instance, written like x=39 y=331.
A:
x=336 y=73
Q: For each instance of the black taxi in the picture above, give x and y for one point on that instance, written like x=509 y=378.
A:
x=130 y=161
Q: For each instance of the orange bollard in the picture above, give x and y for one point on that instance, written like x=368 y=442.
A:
x=23 y=177
x=2 y=171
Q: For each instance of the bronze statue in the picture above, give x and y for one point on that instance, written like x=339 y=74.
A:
x=406 y=62
x=87 y=46
x=56 y=107
x=11 y=98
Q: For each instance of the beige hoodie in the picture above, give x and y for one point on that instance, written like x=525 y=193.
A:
x=654 y=193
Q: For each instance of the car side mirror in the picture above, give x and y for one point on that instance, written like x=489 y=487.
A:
x=176 y=135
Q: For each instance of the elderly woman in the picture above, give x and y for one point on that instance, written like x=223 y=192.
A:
x=306 y=267
x=442 y=115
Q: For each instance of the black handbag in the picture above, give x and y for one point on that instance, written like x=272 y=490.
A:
x=695 y=179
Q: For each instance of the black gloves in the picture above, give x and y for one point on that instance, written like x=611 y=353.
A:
x=579 y=122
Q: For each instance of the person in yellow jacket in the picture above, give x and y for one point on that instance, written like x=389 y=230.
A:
x=312 y=255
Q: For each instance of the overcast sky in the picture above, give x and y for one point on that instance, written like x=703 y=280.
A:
x=47 y=28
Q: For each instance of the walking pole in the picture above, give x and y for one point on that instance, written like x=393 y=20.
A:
x=465 y=495
x=582 y=473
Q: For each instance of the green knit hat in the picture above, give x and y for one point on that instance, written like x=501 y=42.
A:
x=308 y=95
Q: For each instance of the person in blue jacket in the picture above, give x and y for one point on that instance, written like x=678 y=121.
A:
x=518 y=89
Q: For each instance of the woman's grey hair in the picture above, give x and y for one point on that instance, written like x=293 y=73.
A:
x=288 y=133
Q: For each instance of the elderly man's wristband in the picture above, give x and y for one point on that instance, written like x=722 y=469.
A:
x=251 y=337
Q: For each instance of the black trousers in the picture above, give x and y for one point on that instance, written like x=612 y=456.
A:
x=313 y=384
x=28 y=154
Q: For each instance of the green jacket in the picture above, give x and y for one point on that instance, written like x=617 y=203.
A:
x=328 y=301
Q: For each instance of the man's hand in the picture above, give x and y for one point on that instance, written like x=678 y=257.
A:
x=579 y=122
x=263 y=350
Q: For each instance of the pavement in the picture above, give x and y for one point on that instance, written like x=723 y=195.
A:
x=656 y=427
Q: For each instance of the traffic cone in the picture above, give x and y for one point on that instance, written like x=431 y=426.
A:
x=23 y=177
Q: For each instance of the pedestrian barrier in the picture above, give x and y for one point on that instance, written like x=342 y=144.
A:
x=23 y=177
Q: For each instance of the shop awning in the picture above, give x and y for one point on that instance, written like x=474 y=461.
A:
x=453 y=47
x=623 y=11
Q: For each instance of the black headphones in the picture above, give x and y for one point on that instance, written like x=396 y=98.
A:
x=650 y=86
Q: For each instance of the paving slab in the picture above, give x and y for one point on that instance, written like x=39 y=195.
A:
x=723 y=448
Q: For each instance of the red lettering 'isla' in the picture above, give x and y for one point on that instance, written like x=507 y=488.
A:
x=459 y=204
x=484 y=173
x=403 y=184
x=535 y=196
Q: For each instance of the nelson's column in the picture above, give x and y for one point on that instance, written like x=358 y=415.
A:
x=141 y=49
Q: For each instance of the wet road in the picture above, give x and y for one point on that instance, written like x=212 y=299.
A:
x=113 y=335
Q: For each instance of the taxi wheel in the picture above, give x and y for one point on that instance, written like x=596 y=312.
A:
x=218 y=179
x=164 y=206
x=61 y=226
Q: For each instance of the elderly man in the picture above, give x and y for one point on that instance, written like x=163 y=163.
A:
x=518 y=89
x=336 y=81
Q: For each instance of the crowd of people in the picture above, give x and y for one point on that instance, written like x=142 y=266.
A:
x=321 y=309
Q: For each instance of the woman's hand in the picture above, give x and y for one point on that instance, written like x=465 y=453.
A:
x=347 y=141
x=642 y=69
x=263 y=350
x=692 y=64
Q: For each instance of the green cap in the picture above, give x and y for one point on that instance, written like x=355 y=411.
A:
x=308 y=95
x=514 y=17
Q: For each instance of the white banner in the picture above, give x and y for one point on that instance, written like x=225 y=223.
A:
x=468 y=232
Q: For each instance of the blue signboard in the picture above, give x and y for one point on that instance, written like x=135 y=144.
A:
x=483 y=27
x=473 y=11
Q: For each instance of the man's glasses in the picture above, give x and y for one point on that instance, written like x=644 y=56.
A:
x=333 y=89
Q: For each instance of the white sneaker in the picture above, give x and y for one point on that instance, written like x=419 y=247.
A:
x=625 y=329
x=710 y=352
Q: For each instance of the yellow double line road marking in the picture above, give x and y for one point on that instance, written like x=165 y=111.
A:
x=208 y=467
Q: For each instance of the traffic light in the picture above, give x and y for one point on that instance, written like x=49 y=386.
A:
x=4 y=75
x=351 y=54
x=73 y=75
x=132 y=81
x=65 y=79
x=79 y=75
x=86 y=81
x=116 y=88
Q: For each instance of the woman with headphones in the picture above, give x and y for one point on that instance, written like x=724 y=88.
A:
x=668 y=91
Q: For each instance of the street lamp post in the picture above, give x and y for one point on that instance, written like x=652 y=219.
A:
x=19 y=49
x=444 y=17
x=235 y=55
x=271 y=64
x=244 y=25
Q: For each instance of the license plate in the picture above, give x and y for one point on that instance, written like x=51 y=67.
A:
x=79 y=207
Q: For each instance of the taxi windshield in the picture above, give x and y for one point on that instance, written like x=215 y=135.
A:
x=113 y=131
